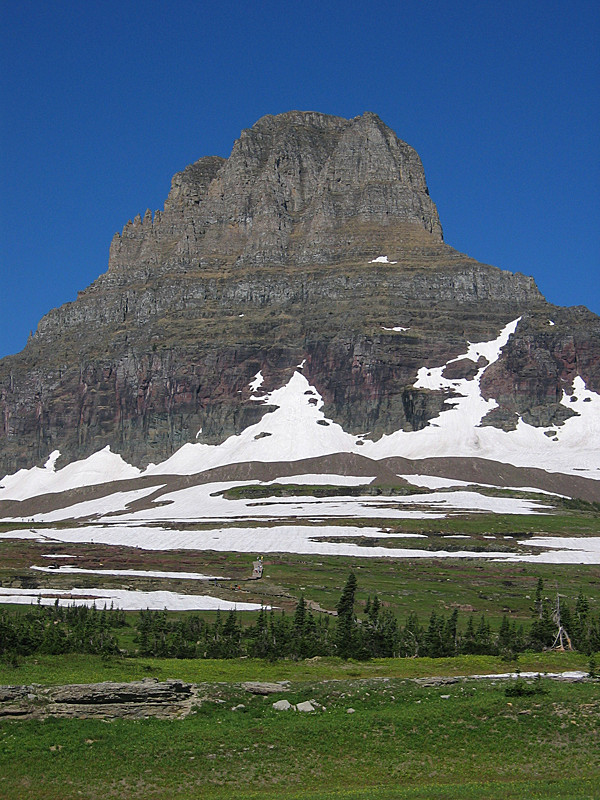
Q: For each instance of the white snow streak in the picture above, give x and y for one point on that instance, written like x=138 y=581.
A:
x=89 y=508
x=206 y=503
x=125 y=599
x=323 y=479
x=435 y=482
x=382 y=260
x=256 y=381
x=131 y=573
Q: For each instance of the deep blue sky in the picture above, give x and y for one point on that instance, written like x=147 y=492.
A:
x=103 y=102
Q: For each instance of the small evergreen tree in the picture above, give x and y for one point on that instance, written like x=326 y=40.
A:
x=346 y=634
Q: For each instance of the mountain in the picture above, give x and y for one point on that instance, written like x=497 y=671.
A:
x=295 y=310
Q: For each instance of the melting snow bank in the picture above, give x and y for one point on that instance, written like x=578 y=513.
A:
x=206 y=502
x=563 y=550
x=297 y=429
x=123 y=599
x=572 y=676
x=305 y=540
x=323 y=479
x=277 y=539
x=131 y=573
x=435 y=482
x=382 y=260
x=456 y=431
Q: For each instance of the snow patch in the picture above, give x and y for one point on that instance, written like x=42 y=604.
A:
x=123 y=599
x=514 y=675
x=294 y=415
x=562 y=550
x=382 y=260
x=323 y=479
x=302 y=540
x=206 y=503
x=58 y=555
x=131 y=573
x=455 y=431
x=257 y=381
x=52 y=459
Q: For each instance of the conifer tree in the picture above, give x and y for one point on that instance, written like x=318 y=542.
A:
x=483 y=638
x=410 y=637
x=345 y=638
x=468 y=644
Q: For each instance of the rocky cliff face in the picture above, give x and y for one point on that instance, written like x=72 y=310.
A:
x=264 y=260
x=298 y=189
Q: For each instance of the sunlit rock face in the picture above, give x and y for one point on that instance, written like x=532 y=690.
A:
x=315 y=242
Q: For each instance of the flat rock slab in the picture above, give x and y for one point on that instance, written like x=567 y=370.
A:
x=441 y=681
x=258 y=687
x=135 y=699
x=147 y=691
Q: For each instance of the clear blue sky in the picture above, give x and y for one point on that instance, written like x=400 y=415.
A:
x=103 y=102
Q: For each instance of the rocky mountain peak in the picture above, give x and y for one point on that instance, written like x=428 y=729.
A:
x=317 y=243
x=298 y=188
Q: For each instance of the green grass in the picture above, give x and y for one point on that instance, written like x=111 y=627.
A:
x=403 y=741
x=513 y=790
x=72 y=668
x=417 y=746
x=484 y=586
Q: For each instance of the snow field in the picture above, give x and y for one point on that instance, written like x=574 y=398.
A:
x=204 y=503
x=306 y=540
x=435 y=482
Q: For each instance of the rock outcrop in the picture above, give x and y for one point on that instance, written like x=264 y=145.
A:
x=266 y=259
x=136 y=699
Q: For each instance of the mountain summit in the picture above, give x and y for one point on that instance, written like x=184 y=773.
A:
x=298 y=189
x=313 y=259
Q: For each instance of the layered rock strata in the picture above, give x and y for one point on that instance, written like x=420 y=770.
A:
x=267 y=259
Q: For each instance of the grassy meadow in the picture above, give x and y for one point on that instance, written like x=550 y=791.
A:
x=77 y=668
x=465 y=740
x=404 y=740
